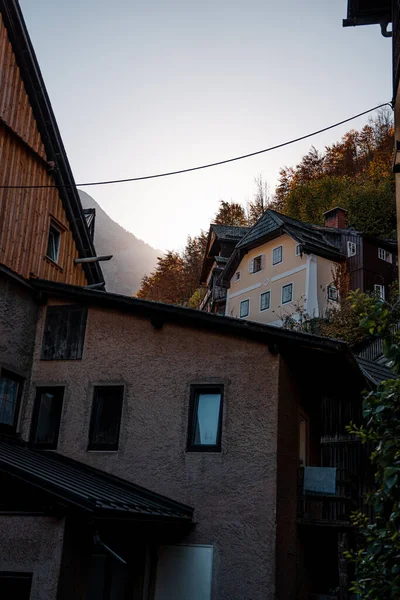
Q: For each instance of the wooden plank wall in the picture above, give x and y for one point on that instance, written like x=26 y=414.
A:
x=25 y=213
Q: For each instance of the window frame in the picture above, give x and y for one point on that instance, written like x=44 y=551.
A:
x=385 y=255
x=380 y=287
x=54 y=226
x=279 y=261
x=256 y=258
x=350 y=247
x=268 y=292
x=291 y=297
x=331 y=286
x=195 y=391
x=240 y=308
x=59 y=392
x=102 y=447
x=4 y=427
x=237 y=276
x=65 y=308
x=297 y=250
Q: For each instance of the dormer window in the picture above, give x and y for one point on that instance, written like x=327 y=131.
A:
x=53 y=243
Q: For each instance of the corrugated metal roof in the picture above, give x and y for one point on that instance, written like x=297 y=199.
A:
x=87 y=488
x=375 y=372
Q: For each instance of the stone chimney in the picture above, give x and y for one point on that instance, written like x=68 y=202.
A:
x=335 y=217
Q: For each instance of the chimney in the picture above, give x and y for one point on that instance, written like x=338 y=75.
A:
x=335 y=217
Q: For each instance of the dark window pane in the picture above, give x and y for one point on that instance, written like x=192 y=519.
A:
x=64 y=332
x=10 y=391
x=106 y=418
x=205 y=419
x=15 y=585
x=277 y=255
x=53 y=245
x=244 y=308
x=47 y=417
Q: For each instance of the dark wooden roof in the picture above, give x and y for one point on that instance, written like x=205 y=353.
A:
x=374 y=372
x=87 y=489
x=367 y=12
x=50 y=134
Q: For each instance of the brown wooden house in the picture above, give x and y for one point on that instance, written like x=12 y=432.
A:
x=43 y=229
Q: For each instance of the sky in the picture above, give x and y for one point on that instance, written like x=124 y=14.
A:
x=147 y=87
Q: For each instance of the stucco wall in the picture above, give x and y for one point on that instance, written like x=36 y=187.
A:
x=233 y=492
x=18 y=314
x=293 y=269
x=33 y=545
x=325 y=277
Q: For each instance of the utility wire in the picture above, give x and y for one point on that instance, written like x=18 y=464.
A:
x=207 y=166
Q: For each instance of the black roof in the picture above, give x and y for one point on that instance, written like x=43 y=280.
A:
x=367 y=12
x=228 y=232
x=50 y=134
x=374 y=372
x=271 y=223
x=87 y=489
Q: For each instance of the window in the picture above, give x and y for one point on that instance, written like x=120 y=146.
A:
x=237 y=276
x=333 y=293
x=15 y=585
x=287 y=293
x=53 y=244
x=265 y=299
x=351 y=249
x=106 y=417
x=47 y=417
x=298 y=250
x=256 y=264
x=64 y=332
x=384 y=255
x=205 y=419
x=277 y=255
x=10 y=396
x=244 y=308
x=380 y=290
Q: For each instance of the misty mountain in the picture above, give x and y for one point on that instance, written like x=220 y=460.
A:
x=132 y=258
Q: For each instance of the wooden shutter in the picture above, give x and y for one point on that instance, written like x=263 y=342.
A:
x=251 y=266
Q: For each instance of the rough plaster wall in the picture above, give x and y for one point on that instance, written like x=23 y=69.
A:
x=33 y=545
x=18 y=314
x=233 y=492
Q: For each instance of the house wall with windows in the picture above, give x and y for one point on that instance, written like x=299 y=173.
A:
x=296 y=281
x=159 y=371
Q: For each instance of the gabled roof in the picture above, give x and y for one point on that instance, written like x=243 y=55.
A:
x=50 y=135
x=309 y=236
x=87 y=489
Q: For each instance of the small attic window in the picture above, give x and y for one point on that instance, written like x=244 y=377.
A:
x=298 y=250
x=53 y=243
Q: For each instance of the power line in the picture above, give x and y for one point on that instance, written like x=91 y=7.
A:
x=207 y=166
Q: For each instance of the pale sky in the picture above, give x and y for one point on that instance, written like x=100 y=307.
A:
x=145 y=87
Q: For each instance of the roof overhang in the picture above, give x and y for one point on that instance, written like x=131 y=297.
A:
x=50 y=134
x=368 y=12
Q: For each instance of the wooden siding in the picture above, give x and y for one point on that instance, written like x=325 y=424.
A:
x=25 y=213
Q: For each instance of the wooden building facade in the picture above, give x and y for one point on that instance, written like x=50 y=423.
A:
x=42 y=225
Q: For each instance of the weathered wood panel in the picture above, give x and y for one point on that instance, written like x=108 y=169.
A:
x=15 y=108
x=25 y=214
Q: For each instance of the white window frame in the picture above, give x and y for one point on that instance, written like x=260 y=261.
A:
x=331 y=286
x=236 y=276
x=53 y=226
x=279 y=261
x=378 y=287
x=240 y=308
x=351 y=249
x=269 y=300
x=297 y=250
x=384 y=255
x=291 y=298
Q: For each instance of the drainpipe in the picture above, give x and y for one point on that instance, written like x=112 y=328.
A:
x=97 y=540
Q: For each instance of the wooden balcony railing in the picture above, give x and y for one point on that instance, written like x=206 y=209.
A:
x=320 y=508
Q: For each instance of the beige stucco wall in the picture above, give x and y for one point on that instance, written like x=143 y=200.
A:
x=233 y=492
x=293 y=269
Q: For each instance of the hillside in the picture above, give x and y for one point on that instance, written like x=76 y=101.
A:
x=132 y=258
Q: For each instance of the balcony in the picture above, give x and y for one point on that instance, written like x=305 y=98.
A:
x=325 y=496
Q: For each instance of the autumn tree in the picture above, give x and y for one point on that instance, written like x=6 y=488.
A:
x=258 y=205
x=231 y=213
